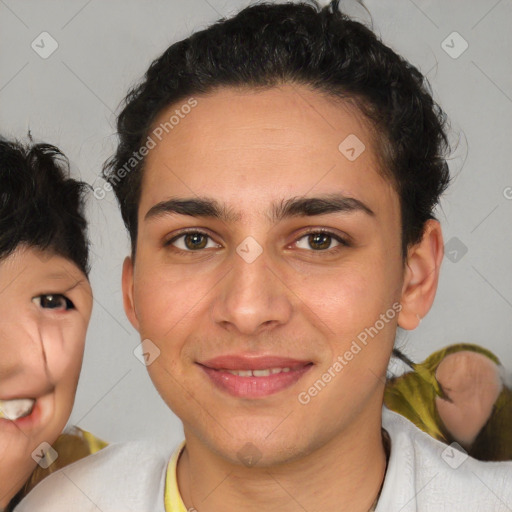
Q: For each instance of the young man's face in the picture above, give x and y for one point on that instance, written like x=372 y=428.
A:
x=255 y=285
x=45 y=304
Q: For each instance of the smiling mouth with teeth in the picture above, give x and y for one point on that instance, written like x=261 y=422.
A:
x=15 y=409
x=257 y=373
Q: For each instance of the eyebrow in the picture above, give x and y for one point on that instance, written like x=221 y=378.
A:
x=293 y=207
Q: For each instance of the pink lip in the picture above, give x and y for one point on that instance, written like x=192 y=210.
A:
x=248 y=362
x=253 y=387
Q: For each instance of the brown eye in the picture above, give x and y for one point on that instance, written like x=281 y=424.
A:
x=192 y=241
x=320 y=241
x=195 y=241
x=55 y=301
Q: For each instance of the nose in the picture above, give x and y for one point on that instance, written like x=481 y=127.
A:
x=252 y=297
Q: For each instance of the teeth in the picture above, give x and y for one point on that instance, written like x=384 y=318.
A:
x=261 y=373
x=16 y=409
x=258 y=373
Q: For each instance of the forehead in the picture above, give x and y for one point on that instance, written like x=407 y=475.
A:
x=262 y=145
x=29 y=268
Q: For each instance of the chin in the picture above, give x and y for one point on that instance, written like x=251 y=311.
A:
x=258 y=448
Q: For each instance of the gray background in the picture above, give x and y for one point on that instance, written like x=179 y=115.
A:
x=70 y=99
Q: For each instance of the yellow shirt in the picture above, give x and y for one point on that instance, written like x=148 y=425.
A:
x=173 y=501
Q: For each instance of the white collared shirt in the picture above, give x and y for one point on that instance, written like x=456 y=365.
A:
x=423 y=475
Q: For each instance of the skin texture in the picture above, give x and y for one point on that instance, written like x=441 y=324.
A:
x=248 y=149
x=42 y=351
x=473 y=384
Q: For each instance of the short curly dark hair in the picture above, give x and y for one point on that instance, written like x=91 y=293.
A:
x=266 y=45
x=40 y=205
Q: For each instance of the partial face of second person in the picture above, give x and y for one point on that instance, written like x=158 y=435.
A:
x=45 y=304
x=200 y=289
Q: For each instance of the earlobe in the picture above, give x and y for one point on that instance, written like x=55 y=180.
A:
x=421 y=276
x=128 y=302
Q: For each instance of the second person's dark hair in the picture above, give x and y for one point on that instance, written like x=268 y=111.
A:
x=40 y=205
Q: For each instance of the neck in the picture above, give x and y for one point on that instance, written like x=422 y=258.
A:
x=352 y=464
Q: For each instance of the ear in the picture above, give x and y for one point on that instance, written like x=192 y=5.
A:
x=129 y=305
x=421 y=276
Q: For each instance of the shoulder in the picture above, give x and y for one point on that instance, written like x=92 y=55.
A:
x=425 y=474
x=128 y=474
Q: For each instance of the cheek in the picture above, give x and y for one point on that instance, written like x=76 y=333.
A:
x=167 y=299
x=352 y=296
x=64 y=346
